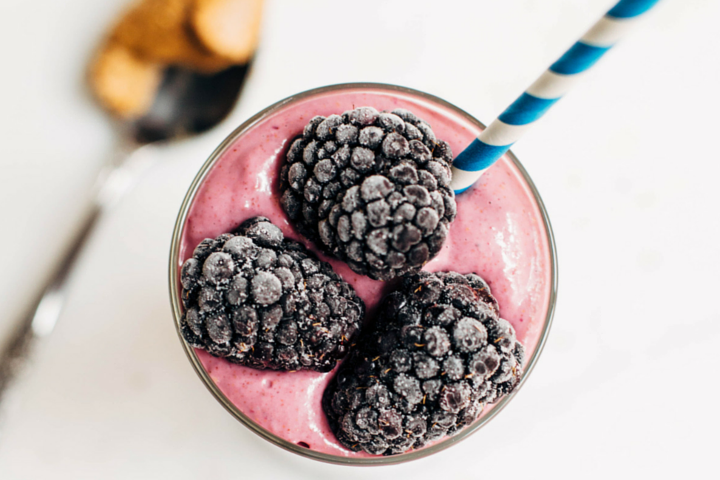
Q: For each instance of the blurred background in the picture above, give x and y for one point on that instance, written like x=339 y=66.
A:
x=626 y=164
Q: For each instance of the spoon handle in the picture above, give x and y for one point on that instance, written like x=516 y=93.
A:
x=116 y=179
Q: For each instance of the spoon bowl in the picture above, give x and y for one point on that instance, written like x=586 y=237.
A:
x=189 y=103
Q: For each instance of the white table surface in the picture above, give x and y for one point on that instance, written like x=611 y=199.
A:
x=627 y=166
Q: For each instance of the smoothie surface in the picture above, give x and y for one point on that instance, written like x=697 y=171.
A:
x=498 y=233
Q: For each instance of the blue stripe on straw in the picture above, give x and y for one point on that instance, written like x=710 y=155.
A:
x=579 y=58
x=526 y=109
x=460 y=190
x=478 y=156
x=631 y=8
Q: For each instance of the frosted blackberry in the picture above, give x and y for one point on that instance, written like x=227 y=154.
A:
x=258 y=299
x=438 y=352
x=372 y=189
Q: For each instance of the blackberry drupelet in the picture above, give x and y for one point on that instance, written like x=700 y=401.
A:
x=372 y=189
x=260 y=300
x=437 y=353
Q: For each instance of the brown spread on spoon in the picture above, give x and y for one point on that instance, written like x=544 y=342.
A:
x=202 y=35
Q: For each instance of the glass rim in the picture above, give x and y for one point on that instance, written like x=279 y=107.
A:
x=236 y=412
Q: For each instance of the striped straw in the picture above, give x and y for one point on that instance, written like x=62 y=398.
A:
x=502 y=133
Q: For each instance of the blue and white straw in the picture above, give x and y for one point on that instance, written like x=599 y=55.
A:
x=557 y=80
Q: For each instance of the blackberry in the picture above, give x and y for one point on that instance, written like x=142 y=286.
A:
x=260 y=300
x=372 y=189
x=437 y=353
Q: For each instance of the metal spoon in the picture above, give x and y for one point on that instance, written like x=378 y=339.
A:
x=187 y=103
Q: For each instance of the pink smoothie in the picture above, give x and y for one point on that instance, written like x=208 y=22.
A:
x=499 y=234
